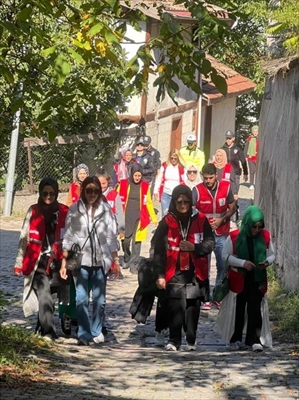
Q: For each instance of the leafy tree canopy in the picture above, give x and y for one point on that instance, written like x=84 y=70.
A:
x=62 y=62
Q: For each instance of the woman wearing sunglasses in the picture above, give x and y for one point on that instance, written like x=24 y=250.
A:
x=90 y=223
x=40 y=247
x=248 y=251
x=193 y=176
x=182 y=243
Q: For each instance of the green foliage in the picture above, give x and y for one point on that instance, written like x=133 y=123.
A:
x=284 y=309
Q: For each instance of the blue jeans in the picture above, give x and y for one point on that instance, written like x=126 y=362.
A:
x=220 y=265
x=165 y=202
x=90 y=327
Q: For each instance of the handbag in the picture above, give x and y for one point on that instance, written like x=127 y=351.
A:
x=222 y=289
x=74 y=258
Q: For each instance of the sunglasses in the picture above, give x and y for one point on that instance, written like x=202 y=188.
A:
x=183 y=202
x=173 y=158
x=191 y=172
x=92 y=191
x=139 y=144
x=48 y=194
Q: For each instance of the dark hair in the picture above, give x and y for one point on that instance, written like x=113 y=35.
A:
x=104 y=174
x=209 y=169
x=95 y=181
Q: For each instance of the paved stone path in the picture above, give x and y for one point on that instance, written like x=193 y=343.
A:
x=129 y=366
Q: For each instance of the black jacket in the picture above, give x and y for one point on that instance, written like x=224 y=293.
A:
x=235 y=156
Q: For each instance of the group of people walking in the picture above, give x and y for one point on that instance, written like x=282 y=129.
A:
x=197 y=202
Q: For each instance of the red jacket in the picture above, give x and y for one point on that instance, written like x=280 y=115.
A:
x=236 y=277
x=123 y=193
x=195 y=235
x=37 y=234
x=214 y=207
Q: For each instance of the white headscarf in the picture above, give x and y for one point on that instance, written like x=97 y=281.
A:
x=198 y=178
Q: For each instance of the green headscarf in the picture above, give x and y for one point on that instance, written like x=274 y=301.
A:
x=252 y=215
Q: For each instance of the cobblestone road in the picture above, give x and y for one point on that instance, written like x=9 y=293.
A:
x=129 y=366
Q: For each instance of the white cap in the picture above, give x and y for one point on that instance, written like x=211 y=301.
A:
x=191 y=138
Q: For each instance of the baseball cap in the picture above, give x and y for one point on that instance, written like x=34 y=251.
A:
x=229 y=135
x=191 y=138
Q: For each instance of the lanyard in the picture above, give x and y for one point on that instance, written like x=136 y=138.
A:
x=184 y=232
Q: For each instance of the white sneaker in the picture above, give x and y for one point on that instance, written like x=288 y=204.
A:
x=170 y=347
x=99 y=339
x=251 y=187
x=160 y=338
x=191 y=347
x=257 y=347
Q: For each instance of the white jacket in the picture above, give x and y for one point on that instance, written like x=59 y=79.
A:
x=102 y=240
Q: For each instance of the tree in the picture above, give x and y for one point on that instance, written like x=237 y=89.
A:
x=62 y=61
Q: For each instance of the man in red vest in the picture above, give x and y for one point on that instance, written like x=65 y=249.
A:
x=215 y=200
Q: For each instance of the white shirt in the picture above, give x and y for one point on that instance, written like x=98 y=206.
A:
x=172 y=179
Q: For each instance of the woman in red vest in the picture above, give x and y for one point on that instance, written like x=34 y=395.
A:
x=82 y=172
x=182 y=243
x=225 y=171
x=248 y=252
x=40 y=248
x=139 y=211
x=171 y=174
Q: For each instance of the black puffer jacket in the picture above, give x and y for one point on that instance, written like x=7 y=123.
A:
x=235 y=156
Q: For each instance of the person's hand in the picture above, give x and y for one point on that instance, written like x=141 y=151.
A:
x=116 y=267
x=186 y=246
x=161 y=283
x=121 y=235
x=263 y=264
x=236 y=197
x=17 y=271
x=249 y=265
x=156 y=196
x=245 y=178
x=215 y=223
x=63 y=270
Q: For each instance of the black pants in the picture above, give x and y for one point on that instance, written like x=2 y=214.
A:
x=131 y=250
x=161 y=315
x=252 y=170
x=252 y=296
x=182 y=313
x=42 y=289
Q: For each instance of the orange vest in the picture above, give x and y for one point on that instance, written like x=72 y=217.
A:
x=111 y=196
x=236 y=279
x=124 y=192
x=174 y=236
x=214 y=207
x=37 y=234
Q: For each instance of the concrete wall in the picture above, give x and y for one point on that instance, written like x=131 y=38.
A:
x=277 y=189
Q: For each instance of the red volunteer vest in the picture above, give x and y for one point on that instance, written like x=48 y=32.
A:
x=37 y=234
x=236 y=279
x=111 y=196
x=214 y=207
x=181 y=175
x=124 y=192
x=75 y=192
x=226 y=173
x=174 y=236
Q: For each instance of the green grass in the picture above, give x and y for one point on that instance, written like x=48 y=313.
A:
x=284 y=310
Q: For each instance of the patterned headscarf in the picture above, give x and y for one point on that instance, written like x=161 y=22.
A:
x=82 y=166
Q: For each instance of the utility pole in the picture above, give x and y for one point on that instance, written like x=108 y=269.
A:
x=9 y=185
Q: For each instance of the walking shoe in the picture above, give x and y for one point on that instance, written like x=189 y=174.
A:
x=251 y=187
x=170 y=347
x=191 y=347
x=206 y=306
x=66 y=325
x=83 y=342
x=257 y=347
x=217 y=304
x=99 y=339
x=160 y=338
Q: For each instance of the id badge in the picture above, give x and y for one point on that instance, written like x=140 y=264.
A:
x=184 y=261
